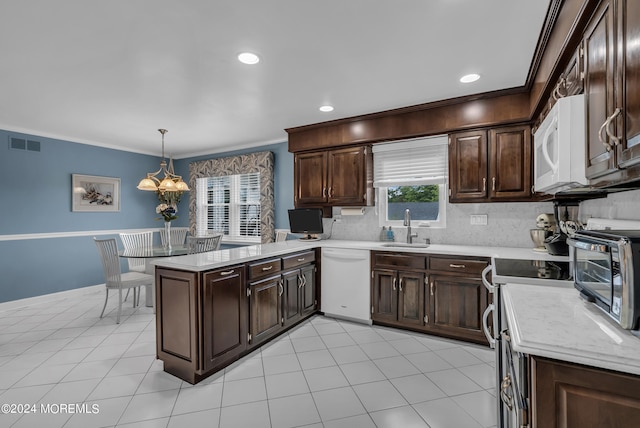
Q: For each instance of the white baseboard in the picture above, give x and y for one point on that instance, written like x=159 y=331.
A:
x=47 y=298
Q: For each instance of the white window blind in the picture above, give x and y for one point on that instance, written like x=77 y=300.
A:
x=411 y=162
x=231 y=205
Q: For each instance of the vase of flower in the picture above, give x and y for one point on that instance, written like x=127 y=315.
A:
x=167 y=236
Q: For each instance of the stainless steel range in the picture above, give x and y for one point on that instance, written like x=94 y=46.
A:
x=512 y=366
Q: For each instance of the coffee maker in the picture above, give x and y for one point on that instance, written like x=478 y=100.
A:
x=566 y=214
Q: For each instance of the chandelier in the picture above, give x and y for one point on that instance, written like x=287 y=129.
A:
x=170 y=183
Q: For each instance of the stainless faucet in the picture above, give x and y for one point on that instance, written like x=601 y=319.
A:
x=407 y=223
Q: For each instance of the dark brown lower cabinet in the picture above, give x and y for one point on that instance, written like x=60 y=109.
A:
x=457 y=305
x=299 y=294
x=224 y=316
x=265 y=308
x=442 y=295
x=207 y=320
x=566 y=395
x=398 y=297
x=201 y=320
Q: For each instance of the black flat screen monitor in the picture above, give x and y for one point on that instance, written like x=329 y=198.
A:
x=306 y=221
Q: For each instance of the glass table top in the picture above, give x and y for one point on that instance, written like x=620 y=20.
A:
x=150 y=252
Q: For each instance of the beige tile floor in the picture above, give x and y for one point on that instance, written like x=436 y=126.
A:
x=325 y=373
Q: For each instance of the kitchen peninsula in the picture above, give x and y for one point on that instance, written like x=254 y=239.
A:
x=213 y=308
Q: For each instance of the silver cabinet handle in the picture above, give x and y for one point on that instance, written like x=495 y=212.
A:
x=451 y=265
x=504 y=395
x=400 y=284
x=300 y=281
x=226 y=273
x=431 y=288
x=281 y=288
x=493 y=184
x=484 y=184
x=301 y=259
x=613 y=137
x=324 y=192
x=394 y=284
x=605 y=127
x=267 y=268
x=485 y=325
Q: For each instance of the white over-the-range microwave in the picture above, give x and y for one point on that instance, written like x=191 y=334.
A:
x=559 y=147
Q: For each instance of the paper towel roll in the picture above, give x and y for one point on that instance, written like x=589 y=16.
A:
x=352 y=211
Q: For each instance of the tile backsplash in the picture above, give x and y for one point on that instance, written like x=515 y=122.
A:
x=508 y=223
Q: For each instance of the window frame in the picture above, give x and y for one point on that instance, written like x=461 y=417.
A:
x=439 y=223
x=234 y=206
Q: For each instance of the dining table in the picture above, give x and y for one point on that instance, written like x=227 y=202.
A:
x=149 y=254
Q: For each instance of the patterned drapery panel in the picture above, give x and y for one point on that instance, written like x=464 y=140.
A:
x=261 y=162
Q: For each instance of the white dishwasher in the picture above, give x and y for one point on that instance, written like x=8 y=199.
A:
x=345 y=284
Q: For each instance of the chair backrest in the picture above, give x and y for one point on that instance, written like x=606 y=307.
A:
x=137 y=240
x=178 y=235
x=108 y=250
x=201 y=244
x=281 y=235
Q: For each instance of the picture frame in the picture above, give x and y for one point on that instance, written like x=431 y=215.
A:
x=92 y=193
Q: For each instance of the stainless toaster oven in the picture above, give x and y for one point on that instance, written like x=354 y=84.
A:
x=606 y=265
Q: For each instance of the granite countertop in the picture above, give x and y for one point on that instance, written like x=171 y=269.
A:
x=555 y=322
x=216 y=259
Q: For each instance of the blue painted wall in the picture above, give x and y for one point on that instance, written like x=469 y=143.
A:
x=38 y=200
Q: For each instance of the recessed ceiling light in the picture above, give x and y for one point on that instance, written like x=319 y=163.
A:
x=326 y=108
x=469 y=78
x=248 y=58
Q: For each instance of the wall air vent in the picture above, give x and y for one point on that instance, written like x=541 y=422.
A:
x=24 y=144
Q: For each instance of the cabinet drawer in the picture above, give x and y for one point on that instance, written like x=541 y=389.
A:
x=263 y=268
x=472 y=267
x=295 y=260
x=399 y=260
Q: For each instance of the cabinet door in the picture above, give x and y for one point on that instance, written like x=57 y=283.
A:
x=224 y=315
x=384 y=295
x=310 y=178
x=346 y=176
x=629 y=81
x=510 y=162
x=411 y=302
x=292 y=282
x=568 y=395
x=177 y=318
x=265 y=308
x=468 y=166
x=457 y=305
x=308 y=294
x=573 y=77
x=599 y=59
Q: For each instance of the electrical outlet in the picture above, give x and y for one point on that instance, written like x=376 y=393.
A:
x=479 y=219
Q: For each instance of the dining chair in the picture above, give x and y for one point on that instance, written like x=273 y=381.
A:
x=115 y=279
x=202 y=244
x=281 y=235
x=137 y=240
x=178 y=235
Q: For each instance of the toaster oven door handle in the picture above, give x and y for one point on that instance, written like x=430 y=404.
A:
x=588 y=246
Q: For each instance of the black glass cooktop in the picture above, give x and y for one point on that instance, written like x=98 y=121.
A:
x=542 y=269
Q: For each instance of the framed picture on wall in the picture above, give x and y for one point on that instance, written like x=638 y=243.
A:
x=95 y=194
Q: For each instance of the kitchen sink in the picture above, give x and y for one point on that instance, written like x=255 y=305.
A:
x=405 y=244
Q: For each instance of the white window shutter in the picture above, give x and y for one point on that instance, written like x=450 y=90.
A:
x=411 y=162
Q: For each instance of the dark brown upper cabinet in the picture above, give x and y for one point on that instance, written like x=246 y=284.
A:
x=612 y=89
x=490 y=165
x=340 y=177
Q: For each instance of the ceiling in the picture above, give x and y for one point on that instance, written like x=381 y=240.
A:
x=111 y=73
